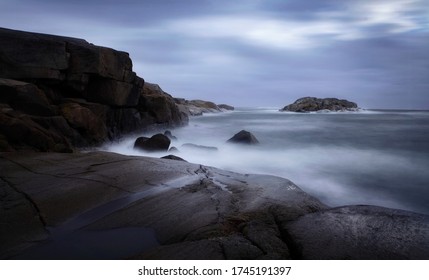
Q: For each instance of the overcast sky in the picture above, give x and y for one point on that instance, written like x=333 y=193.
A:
x=255 y=52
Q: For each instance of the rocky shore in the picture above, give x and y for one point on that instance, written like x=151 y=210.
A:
x=61 y=206
x=58 y=94
x=313 y=104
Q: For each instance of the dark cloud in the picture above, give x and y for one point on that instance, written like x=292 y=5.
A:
x=256 y=52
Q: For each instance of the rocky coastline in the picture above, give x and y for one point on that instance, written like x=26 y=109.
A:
x=59 y=94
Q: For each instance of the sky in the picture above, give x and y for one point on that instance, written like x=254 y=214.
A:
x=255 y=52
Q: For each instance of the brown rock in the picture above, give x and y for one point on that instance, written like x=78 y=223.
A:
x=85 y=121
x=158 y=142
x=25 y=97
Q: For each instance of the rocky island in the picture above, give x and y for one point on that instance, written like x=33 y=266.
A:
x=58 y=94
x=313 y=104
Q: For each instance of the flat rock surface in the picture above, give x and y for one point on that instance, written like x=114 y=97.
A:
x=361 y=232
x=103 y=205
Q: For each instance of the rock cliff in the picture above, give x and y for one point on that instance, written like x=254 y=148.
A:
x=57 y=93
x=313 y=104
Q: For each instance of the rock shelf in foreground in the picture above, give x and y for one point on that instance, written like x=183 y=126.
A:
x=183 y=211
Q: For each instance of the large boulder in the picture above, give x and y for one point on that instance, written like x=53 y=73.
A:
x=244 y=137
x=313 y=104
x=157 y=143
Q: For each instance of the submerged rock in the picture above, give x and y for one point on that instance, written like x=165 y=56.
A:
x=244 y=137
x=200 y=147
x=313 y=104
x=157 y=143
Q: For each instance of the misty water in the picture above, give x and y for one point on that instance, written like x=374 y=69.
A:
x=371 y=157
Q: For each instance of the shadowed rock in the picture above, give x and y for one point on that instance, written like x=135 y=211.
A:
x=244 y=137
x=156 y=143
x=55 y=87
x=361 y=232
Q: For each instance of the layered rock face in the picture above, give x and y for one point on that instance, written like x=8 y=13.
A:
x=313 y=104
x=57 y=93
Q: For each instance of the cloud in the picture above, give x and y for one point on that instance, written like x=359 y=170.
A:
x=263 y=52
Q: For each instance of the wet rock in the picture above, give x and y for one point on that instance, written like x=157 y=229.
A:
x=361 y=232
x=173 y=157
x=312 y=104
x=239 y=216
x=244 y=137
x=156 y=143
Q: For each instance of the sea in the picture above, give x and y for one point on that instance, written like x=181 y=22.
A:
x=368 y=157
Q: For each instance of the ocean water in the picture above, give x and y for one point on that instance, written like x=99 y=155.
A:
x=372 y=157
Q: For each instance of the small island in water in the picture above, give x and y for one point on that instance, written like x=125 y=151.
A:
x=314 y=104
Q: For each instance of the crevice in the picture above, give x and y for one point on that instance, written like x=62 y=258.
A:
x=66 y=176
x=29 y=199
x=295 y=250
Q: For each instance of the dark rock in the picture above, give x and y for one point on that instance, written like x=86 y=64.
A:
x=313 y=104
x=112 y=92
x=244 y=137
x=25 y=97
x=226 y=107
x=200 y=147
x=361 y=232
x=22 y=132
x=170 y=135
x=157 y=105
x=173 y=150
x=173 y=157
x=84 y=121
x=92 y=87
x=156 y=143
x=239 y=216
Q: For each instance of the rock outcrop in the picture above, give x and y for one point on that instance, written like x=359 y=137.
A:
x=243 y=137
x=58 y=93
x=163 y=209
x=313 y=104
x=199 y=107
x=156 y=143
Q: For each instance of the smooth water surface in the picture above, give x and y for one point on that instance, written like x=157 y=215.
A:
x=368 y=157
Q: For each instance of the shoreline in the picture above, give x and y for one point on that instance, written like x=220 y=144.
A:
x=255 y=216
